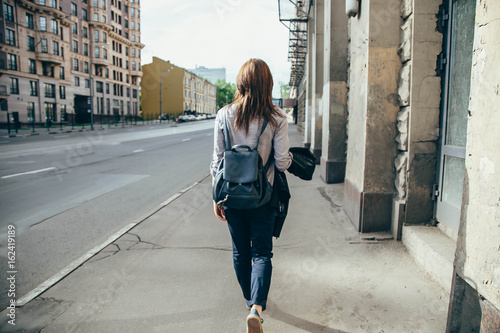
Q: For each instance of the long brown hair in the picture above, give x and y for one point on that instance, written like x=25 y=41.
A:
x=253 y=97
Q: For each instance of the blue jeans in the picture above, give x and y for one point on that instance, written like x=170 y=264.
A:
x=252 y=235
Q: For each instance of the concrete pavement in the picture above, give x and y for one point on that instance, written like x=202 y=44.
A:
x=173 y=273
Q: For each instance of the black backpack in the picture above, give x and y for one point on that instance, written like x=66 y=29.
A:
x=241 y=180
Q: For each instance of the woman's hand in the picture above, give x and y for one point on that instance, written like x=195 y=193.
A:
x=219 y=212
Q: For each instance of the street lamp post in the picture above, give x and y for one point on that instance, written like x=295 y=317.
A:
x=161 y=90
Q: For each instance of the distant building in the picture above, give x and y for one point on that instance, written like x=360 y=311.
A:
x=181 y=91
x=211 y=74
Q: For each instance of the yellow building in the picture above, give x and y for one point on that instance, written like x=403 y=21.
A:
x=174 y=91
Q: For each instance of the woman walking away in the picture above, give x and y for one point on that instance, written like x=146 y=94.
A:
x=252 y=229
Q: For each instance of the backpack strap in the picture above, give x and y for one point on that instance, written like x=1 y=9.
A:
x=264 y=124
x=226 y=129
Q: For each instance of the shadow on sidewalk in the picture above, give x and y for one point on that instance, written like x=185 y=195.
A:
x=303 y=324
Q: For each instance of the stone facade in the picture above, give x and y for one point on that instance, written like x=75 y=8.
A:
x=383 y=110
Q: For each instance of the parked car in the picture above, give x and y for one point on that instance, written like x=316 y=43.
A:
x=163 y=117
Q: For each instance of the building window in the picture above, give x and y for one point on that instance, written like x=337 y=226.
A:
x=85 y=49
x=41 y=2
x=99 y=86
x=96 y=17
x=55 y=48
x=33 y=88
x=103 y=4
x=134 y=93
x=133 y=52
x=75 y=46
x=132 y=12
x=87 y=83
x=14 y=86
x=96 y=36
x=30 y=110
x=85 y=32
x=44 y=46
x=86 y=67
x=132 y=37
x=84 y=15
x=75 y=64
x=105 y=53
x=53 y=3
x=54 y=27
x=43 y=23
x=106 y=74
x=62 y=92
x=50 y=111
x=132 y=25
x=50 y=90
x=107 y=88
x=73 y=9
x=48 y=69
x=61 y=73
x=11 y=37
x=95 y=3
x=29 y=21
x=103 y=19
x=32 y=66
x=77 y=81
x=96 y=52
x=8 y=12
x=104 y=37
x=75 y=29
x=64 y=115
x=12 y=60
x=133 y=65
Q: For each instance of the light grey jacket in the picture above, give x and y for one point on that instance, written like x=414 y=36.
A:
x=271 y=137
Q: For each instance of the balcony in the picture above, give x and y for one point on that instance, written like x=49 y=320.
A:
x=101 y=61
x=49 y=57
x=136 y=73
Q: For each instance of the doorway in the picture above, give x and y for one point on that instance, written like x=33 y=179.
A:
x=458 y=19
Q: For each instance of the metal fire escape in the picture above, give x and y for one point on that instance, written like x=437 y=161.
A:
x=294 y=15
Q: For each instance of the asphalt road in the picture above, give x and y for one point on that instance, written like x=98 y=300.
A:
x=67 y=193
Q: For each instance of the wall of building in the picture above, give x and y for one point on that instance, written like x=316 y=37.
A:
x=181 y=91
x=358 y=96
x=418 y=118
x=476 y=289
x=373 y=108
x=172 y=89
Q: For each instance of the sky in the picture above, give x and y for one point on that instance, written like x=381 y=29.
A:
x=216 y=33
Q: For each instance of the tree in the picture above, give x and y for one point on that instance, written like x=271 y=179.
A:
x=225 y=93
x=284 y=90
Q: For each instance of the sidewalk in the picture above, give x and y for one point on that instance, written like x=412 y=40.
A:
x=57 y=129
x=173 y=273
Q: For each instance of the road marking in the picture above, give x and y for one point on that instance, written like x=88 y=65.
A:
x=28 y=173
x=138 y=151
x=186 y=139
x=80 y=261
x=21 y=162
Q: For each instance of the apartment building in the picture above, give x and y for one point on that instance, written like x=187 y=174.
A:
x=175 y=90
x=63 y=60
x=211 y=74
